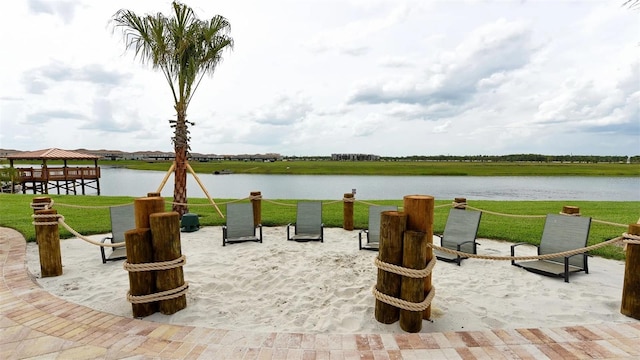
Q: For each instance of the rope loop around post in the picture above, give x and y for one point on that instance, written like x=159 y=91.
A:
x=403 y=304
x=164 y=295
x=459 y=205
x=37 y=219
x=399 y=270
x=412 y=273
x=630 y=239
x=161 y=265
x=42 y=205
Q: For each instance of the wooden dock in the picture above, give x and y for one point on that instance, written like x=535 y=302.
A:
x=65 y=179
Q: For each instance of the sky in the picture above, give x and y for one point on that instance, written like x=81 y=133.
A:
x=312 y=78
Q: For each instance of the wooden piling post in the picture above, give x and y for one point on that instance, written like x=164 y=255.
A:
x=419 y=210
x=571 y=210
x=631 y=286
x=256 y=202
x=347 y=218
x=40 y=203
x=140 y=251
x=412 y=289
x=392 y=227
x=48 y=238
x=144 y=207
x=165 y=234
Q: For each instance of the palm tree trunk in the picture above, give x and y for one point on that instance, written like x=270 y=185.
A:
x=181 y=146
x=180 y=181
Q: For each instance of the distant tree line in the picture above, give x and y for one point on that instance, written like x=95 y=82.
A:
x=496 y=158
x=523 y=157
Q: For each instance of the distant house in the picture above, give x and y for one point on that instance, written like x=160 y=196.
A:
x=354 y=157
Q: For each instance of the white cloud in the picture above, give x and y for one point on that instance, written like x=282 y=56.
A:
x=315 y=77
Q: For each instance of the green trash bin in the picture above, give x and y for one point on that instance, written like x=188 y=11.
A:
x=189 y=223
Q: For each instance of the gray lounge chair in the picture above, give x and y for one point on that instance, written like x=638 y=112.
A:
x=373 y=233
x=459 y=234
x=122 y=219
x=561 y=233
x=240 y=226
x=308 y=226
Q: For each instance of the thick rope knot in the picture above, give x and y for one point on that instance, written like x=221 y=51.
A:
x=459 y=205
x=164 y=295
x=255 y=197
x=160 y=265
x=348 y=200
x=630 y=239
x=38 y=219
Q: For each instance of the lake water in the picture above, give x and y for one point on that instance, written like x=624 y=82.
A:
x=118 y=181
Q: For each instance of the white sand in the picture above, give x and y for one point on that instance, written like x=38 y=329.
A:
x=286 y=286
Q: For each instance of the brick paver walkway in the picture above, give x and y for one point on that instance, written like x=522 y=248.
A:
x=36 y=324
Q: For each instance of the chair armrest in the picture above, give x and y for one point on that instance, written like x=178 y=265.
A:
x=322 y=232
x=513 y=250
x=467 y=242
x=224 y=235
x=288 y=233
x=104 y=256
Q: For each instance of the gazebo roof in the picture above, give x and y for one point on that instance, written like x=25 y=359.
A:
x=51 y=154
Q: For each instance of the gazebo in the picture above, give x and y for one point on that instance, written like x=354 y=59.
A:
x=41 y=180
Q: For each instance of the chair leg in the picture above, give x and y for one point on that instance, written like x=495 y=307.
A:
x=586 y=263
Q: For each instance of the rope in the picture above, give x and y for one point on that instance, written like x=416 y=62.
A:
x=36 y=219
x=278 y=203
x=404 y=304
x=42 y=205
x=92 y=206
x=608 y=223
x=521 y=258
x=507 y=215
x=348 y=200
x=203 y=205
x=630 y=239
x=255 y=197
x=70 y=229
x=565 y=214
x=457 y=205
x=164 y=295
x=412 y=273
x=160 y=265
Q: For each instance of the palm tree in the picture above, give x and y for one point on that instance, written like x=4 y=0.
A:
x=184 y=48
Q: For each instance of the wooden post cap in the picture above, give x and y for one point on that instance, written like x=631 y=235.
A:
x=571 y=210
x=634 y=229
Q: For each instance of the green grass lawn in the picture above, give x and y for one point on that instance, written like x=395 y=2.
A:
x=90 y=215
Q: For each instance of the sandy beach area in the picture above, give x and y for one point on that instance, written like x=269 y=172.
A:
x=286 y=286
